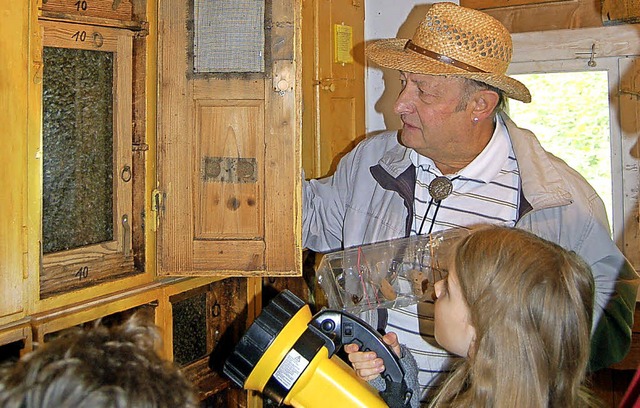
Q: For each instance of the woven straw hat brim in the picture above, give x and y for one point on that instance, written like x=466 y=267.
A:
x=391 y=53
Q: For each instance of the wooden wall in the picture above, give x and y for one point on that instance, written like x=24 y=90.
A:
x=541 y=15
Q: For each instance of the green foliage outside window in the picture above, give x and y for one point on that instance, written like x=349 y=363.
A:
x=569 y=114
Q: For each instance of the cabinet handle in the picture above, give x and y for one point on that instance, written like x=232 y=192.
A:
x=125 y=174
x=331 y=87
x=327 y=84
x=98 y=39
x=126 y=240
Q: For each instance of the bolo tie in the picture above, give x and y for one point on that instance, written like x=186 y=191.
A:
x=439 y=189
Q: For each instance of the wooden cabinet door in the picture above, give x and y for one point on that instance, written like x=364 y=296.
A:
x=333 y=52
x=86 y=149
x=228 y=152
x=14 y=92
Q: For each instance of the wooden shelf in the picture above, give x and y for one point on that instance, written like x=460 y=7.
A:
x=139 y=26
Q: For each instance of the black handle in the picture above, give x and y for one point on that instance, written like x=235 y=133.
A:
x=340 y=328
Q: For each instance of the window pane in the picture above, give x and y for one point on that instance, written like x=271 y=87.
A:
x=228 y=36
x=77 y=148
x=190 y=329
x=569 y=114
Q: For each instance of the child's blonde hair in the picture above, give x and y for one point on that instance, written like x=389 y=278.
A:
x=531 y=304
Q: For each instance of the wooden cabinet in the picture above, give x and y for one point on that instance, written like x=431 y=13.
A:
x=207 y=322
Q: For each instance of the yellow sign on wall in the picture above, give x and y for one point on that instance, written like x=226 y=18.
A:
x=342 y=40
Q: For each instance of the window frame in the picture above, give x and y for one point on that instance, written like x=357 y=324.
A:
x=612 y=49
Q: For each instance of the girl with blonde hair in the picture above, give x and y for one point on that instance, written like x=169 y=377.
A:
x=519 y=308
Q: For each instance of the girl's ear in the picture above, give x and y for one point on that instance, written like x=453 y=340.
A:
x=472 y=344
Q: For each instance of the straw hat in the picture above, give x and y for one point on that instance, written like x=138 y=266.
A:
x=456 y=41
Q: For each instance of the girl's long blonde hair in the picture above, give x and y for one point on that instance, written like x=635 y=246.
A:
x=531 y=305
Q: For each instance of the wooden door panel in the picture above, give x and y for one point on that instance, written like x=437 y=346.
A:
x=228 y=257
x=342 y=127
x=230 y=144
x=16 y=91
x=340 y=84
x=73 y=263
x=229 y=155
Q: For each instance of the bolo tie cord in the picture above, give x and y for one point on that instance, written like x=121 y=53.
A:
x=438 y=202
x=433 y=220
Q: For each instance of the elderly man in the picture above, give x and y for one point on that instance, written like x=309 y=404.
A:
x=459 y=160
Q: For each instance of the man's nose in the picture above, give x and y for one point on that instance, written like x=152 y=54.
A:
x=403 y=105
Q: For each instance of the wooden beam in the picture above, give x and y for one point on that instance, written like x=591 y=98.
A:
x=489 y=4
x=556 y=15
x=620 y=12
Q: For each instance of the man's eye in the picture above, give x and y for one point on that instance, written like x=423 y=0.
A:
x=403 y=83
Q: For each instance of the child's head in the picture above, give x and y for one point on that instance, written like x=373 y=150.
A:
x=98 y=367
x=519 y=307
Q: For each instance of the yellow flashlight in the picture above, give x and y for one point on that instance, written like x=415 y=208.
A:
x=289 y=356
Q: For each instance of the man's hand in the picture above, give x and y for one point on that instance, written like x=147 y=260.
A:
x=367 y=364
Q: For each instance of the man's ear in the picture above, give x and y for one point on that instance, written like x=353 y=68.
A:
x=485 y=101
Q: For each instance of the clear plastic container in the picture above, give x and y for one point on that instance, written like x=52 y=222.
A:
x=395 y=273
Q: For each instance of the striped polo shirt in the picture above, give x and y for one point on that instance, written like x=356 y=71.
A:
x=486 y=191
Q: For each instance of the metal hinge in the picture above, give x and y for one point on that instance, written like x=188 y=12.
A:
x=157 y=207
x=143 y=31
x=140 y=147
x=25 y=252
